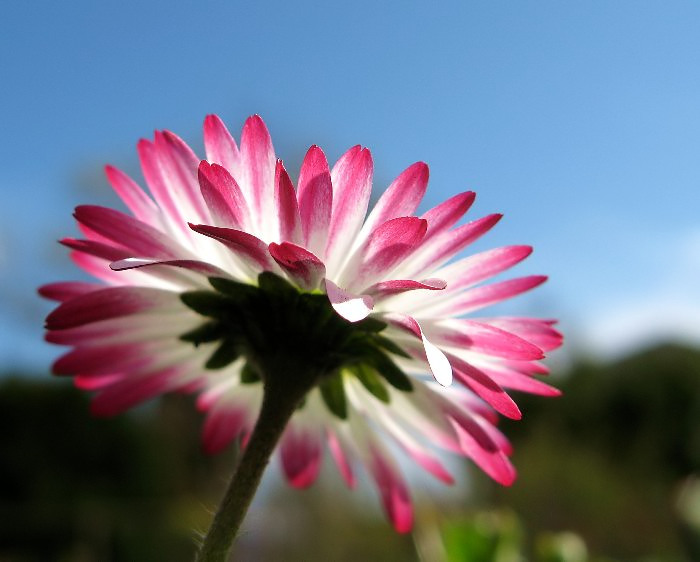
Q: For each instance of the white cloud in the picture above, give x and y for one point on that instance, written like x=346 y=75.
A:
x=669 y=310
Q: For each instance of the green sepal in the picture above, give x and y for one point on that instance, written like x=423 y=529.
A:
x=333 y=394
x=274 y=284
x=238 y=292
x=370 y=324
x=249 y=374
x=206 y=303
x=224 y=355
x=206 y=333
x=391 y=373
x=389 y=345
x=372 y=382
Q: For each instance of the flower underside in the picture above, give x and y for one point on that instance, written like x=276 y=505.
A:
x=228 y=280
x=279 y=330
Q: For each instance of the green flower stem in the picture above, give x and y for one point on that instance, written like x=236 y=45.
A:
x=279 y=403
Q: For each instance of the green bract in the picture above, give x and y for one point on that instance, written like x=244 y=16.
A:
x=282 y=332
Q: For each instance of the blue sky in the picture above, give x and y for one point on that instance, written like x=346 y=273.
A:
x=579 y=121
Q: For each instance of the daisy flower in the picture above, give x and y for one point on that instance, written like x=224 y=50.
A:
x=227 y=280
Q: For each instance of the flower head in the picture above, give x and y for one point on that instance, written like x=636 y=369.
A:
x=227 y=277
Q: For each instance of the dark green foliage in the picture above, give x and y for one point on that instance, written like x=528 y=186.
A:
x=225 y=354
x=206 y=333
x=371 y=381
x=605 y=461
x=249 y=375
x=333 y=395
x=612 y=452
x=281 y=331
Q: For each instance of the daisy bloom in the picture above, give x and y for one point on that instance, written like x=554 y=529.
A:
x=290 y=305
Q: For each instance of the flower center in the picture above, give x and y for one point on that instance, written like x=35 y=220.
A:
x=292 y=337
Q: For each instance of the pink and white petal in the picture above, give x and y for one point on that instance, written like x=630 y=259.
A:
x=315 y=196
x=482 y=266
x=454 y=406
x=305 y=269
x=339 y=450
x=172 y=215
x=258 y=176
x=94 y=236
x=128 y=392
x=67 y=290
x=300 y=453
x=128 y=232
x=385 y=417
x=494 y=463
x=99 y=268
x=445 y=245
x=289 y=218
x=350 y=306
x=385 y=248
x=248 y=248
x=478 y=337
x=105 y=251
x=528 y=367
x=400 y=199
x=136 y=200
x=195 y=266
x=484 y=387
x=385 y=289
x=223 y=196
x=178 y=166
x=88 y=382
x=539 y=332
x=224 y=397
x=393 y=490
x=424 y=412
x=483 y=296
x=162 y=278
x=219 y=145
x=111 y=302
x=436 y=359
x=135 y=328
x=351 y=178
x=223 y=425
x=447 y=213
x=103 y=359
x=516 y=380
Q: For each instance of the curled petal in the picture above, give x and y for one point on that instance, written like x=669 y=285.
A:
x=350 y=306
x=302 y=266
x=438 y=362
x=247 y=247
x=385 y=289
x=196 y=266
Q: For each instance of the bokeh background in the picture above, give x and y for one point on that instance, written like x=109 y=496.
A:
x=579 y=121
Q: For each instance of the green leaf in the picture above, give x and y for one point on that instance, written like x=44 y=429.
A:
x=249 y=374
x=372 y=382
x=271 y=283
x=370 y=324
x=206 y=303
x=224 y=355
x=207 y=332
x=389 y=345
x=333 y=395
x=388 y=369
x=238 y=292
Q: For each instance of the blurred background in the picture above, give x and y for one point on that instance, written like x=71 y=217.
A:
x=579 y=121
